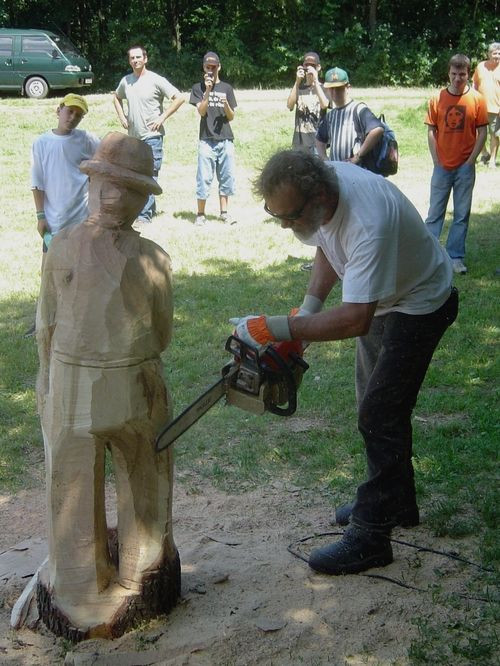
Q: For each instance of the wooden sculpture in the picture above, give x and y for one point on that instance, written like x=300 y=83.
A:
x=104 y=316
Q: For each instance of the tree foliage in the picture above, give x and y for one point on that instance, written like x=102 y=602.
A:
x=379 y=42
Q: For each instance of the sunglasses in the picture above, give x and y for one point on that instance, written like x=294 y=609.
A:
x=287 y=218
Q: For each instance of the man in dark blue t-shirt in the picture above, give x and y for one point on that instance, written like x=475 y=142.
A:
x=215 y=102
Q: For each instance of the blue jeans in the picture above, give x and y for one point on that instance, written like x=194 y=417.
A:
x=156 y=144
x=391 y=363
x=215 y=157
x=461 y=181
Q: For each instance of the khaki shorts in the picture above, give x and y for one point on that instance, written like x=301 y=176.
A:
x=493 y=124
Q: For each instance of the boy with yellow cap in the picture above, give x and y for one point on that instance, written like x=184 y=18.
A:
x=60 y=189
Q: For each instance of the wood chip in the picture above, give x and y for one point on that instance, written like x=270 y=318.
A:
x=268 y=624
x=227 y=541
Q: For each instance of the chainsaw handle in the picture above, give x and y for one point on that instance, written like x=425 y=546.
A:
x=290 y=386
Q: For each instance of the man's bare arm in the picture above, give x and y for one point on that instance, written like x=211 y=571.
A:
x=371 y=140
x=39 y=198
x=318 y=88
x=294 y=92
x=478 y=146
x=432 y=143
x=323 y=277
x=348 y=320
x=118 y=104
x=177 y=101
x=321 y=148
x=203 y=105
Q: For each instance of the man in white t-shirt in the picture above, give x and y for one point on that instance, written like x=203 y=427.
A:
x=397 y=300
x=145 y=92
x=60 y=189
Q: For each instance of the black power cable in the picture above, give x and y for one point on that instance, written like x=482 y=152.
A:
x=293 y=549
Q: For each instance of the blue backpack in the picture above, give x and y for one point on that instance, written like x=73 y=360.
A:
x=383 y=158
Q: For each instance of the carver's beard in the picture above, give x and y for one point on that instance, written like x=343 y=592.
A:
x=314 y=221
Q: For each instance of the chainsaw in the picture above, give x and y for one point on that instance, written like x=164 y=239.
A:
x=254 y=381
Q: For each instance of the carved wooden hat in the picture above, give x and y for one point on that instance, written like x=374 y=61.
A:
x=125 y=159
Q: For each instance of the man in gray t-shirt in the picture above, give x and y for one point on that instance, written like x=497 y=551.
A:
x=145 y=92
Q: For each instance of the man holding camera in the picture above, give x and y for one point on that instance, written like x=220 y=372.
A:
x=215 y=102
x=309 y=100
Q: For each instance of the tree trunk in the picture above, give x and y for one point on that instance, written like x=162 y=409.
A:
x=160 y=592
x=372 y=18
x=175 y=25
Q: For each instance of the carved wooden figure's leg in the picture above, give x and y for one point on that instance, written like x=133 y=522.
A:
x=81 y=593
x=144 y=484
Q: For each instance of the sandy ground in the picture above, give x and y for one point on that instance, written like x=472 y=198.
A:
x=245 y=598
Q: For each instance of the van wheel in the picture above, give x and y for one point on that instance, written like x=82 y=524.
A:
x=36 y=87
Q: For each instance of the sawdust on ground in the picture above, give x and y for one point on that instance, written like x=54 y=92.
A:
x=245 y=598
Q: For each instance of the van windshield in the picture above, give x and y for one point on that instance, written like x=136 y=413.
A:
x=66 y=46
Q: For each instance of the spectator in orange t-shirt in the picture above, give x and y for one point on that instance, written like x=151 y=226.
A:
x=486 y=80
x=457 y=120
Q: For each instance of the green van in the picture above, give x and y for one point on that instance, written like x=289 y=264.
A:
x=33 y=62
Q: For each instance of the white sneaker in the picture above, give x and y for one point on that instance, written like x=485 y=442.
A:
x=459 y=266
x=200 y=221
x=226 y=218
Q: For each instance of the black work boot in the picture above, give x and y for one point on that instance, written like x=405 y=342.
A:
x=406 y=516
x=357 y=551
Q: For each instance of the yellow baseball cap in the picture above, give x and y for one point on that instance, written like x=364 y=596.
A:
x=75 y=100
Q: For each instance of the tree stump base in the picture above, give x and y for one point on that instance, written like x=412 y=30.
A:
x=114 y=611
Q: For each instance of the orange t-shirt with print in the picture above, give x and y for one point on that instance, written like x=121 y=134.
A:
x=456 y=119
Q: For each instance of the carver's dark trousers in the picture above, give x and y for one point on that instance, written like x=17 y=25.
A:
x=391 y=362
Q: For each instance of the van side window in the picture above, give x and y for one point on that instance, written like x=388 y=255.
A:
x=37 y=45
x=5 y=47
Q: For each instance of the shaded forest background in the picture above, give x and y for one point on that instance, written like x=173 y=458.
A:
x=379 y=42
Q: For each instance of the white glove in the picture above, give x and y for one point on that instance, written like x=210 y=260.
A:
x=241 y=330
x=310 y=305
x=259 y=330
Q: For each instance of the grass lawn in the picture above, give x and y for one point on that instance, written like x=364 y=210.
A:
x=253 y=266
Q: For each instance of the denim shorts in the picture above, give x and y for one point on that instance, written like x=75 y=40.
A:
x=215 y=157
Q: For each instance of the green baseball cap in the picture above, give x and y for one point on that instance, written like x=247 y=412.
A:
x=336 y=77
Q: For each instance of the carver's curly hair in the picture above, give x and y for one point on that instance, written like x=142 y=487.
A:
x=305 y=172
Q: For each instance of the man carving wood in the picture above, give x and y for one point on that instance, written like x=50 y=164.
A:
x=104 y=317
